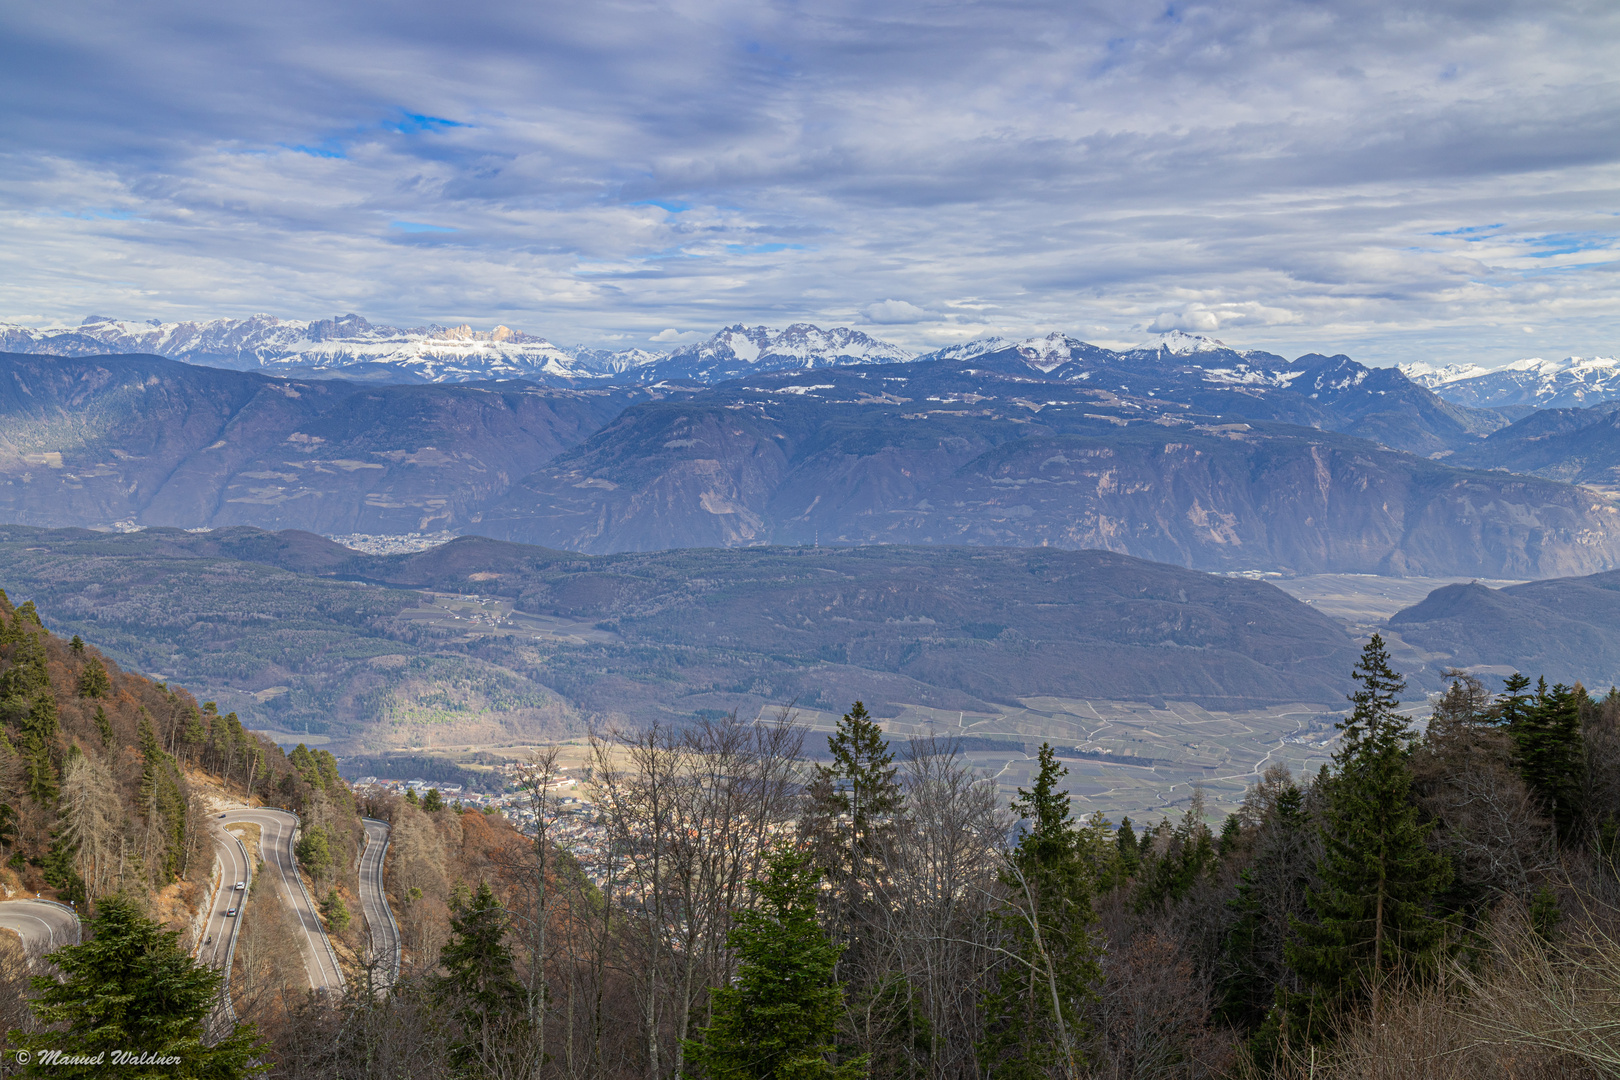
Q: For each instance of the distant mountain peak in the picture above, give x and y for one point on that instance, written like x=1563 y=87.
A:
x=800 y=346
x=1181 y=343
x=1572 y=382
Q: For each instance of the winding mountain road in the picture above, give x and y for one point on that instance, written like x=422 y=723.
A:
x=43 y=925
x=385 y=945
x=276 y=829
x=219 y=931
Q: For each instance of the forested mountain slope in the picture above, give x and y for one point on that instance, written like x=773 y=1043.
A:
x=1574 y=445
x=100 y=772
x=1567 y=628
x=303 y=634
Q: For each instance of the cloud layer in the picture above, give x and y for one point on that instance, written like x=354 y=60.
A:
x=1406 y=185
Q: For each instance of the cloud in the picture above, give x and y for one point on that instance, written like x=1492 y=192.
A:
x=678 y=335
x=895 y=312
x=1399 y=183
x=1194 y=319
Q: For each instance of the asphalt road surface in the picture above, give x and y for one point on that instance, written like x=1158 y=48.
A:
x=281 y=874
x=43 y=925
x=220 y=928
x=374 y=902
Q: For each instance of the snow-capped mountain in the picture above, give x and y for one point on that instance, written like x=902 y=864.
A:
x=611 y=362
x=352 y=348
x=348 y=346
x=1573 y=382
x=739 y=350
x=1070 y=357
x=1044 y=354
x=1181 y=343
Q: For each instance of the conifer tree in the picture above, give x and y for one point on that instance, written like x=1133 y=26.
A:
x=194 y=735
x=1551 y=754
x=776 y=1021
x=860 y=787
x=1125 y=840
x=314 y=850
x=104 y=727
x=1374 y=916
x=1268 y=890
x=1034 y=1015
x=479 y=980
x=76 y=646
x=335 y=911
x=161 y=799
x=39 y=738
x=850 y=814
x=1514 y=705
x=94 y=681
x=130 y=987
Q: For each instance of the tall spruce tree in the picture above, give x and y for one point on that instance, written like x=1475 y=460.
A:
x=479 y=979
x=777 y=1019
x=860 y=790
x=1374 y=914
x=1034 y=1015
x=1270 y=889
x=1550 y=753
x=131 y=988
x=94 y=682
x=39 y=740
x=1514 y=703
x=850 y=811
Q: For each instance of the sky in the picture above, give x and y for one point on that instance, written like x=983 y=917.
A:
x=1405 y=182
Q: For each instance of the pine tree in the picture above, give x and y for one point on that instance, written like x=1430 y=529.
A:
x=161 y=799
x=1374 y=915
x=104 y=727
x=335 y=911
x=1125 y=840
x=1551 y=755
x=860 y=788
x=851 y=809
x=194 y=735
x=314 y=851
x=1514 y=705
x=94 y=681
x=304 y=762
x=131 y=988
x=776 y=1021
x=1268 y=889
x=1033 y=1016
x=39 y=739
x=479 y=980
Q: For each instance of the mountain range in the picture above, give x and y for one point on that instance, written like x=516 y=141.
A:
x=1187 y=452
x=354 y=349
x=1574 y=382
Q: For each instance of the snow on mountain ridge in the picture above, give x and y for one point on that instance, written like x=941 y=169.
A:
x=1573 y=382
x=1181 y=343
x=351 y=346
x=801 y=341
